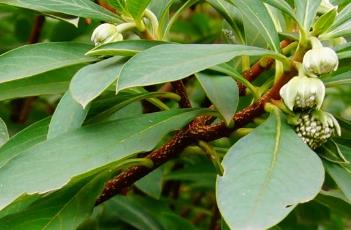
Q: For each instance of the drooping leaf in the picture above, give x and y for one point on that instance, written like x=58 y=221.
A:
x=306 y=10
x=52 y=82
x=223 y=92
x=4 y=134
x=68 y=116
x=80 y=8
x=259 y=17
x=63 y=209
x=123 y=48
x=48 y=165
x=31 y=60
x=265 y=178
x=172 y=62
x=136 y=7
x=92 y=80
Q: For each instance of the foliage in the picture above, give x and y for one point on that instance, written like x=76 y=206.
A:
x=190 y=114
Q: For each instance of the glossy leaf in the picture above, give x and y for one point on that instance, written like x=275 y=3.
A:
x=87 y=148
x=92 y=80
x=68 y=207
x=306 y=10
x=52 y=82
x=259 y=17
x=68 y=116
x=31 y=60
x=172 y=62
x=4 y=134
x=263 y=176
x=223 y=92
x=123 y=48
x=80 y=8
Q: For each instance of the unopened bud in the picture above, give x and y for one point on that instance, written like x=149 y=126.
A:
x=106 y=33
x=303 y=93
x=320 y=60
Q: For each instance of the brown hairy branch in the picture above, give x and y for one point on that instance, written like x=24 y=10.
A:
x=199 y=129
x=179 y=88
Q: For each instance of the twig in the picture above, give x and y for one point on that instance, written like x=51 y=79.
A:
x=180 y=89
x=196 y=130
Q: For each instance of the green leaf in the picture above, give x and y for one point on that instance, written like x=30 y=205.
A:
x=223 y=92
x=52 y=82
x=132 y=213
x=339 y=79
x=151 y=184
x=28 y=137
x=4 y=134
x=68 y=116
x=31 y=60
x=20 y=204
x=264 y=176
x=283 y=6
x=50 y=164
x=136 y=8
x=92 y=80
x=324 y=22
x=172 y=62
x=259 y=17
x=341 y=173
x=306 y=10
x=80 y=8
x=123 y=48
x=343 y=16
x=63 y=209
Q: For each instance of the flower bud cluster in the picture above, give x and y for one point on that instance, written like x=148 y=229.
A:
x=316 y=130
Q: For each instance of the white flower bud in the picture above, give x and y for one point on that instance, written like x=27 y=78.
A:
x=106 y=33
x=303 y=93
x=320 y=60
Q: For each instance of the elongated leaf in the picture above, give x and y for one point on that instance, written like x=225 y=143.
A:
x=20 y=204
x=4 y=134
x=324 y=22
x=343 y=16
x=81 y=8
x=48 y=165
x=68 y=116
x=265 y=177
x=52 y=82
x=223 y=92
x=136 y=7
x=259 y=17
x=23 y=140
x=339 y=79
x=123 y=48
x=283 y=6
x=340 y=174
x=31 y=60
x=63 y=209
x=93 y=79
x=306 y=10
x=151 y=184
x=172 y=62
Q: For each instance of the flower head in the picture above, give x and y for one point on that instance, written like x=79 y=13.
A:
x=106 y=33
x=303 y=93
x=320 y=60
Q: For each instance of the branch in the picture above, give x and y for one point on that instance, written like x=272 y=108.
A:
x=179 y=88
x=196 y=130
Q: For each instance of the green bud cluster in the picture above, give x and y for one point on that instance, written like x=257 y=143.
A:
x=313 y=131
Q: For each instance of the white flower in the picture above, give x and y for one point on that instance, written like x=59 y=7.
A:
x=106 y=33
x=303 y=93
x=320 y=60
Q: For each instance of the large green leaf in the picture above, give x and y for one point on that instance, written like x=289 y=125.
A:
x=63 y=209
x=81 y=8
x=223 y=92
x=50 y=164
x=172 y=62
x=4 y=134
x=93 y=79
x=151 y=184
x=123 y=48
x=52 y=82
x=68 y=116
x=31 y=60
x=342 y=17
x=283 y=6
x=306 y=11
x=265 y=177
x=136 y=7
x=256 y=12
